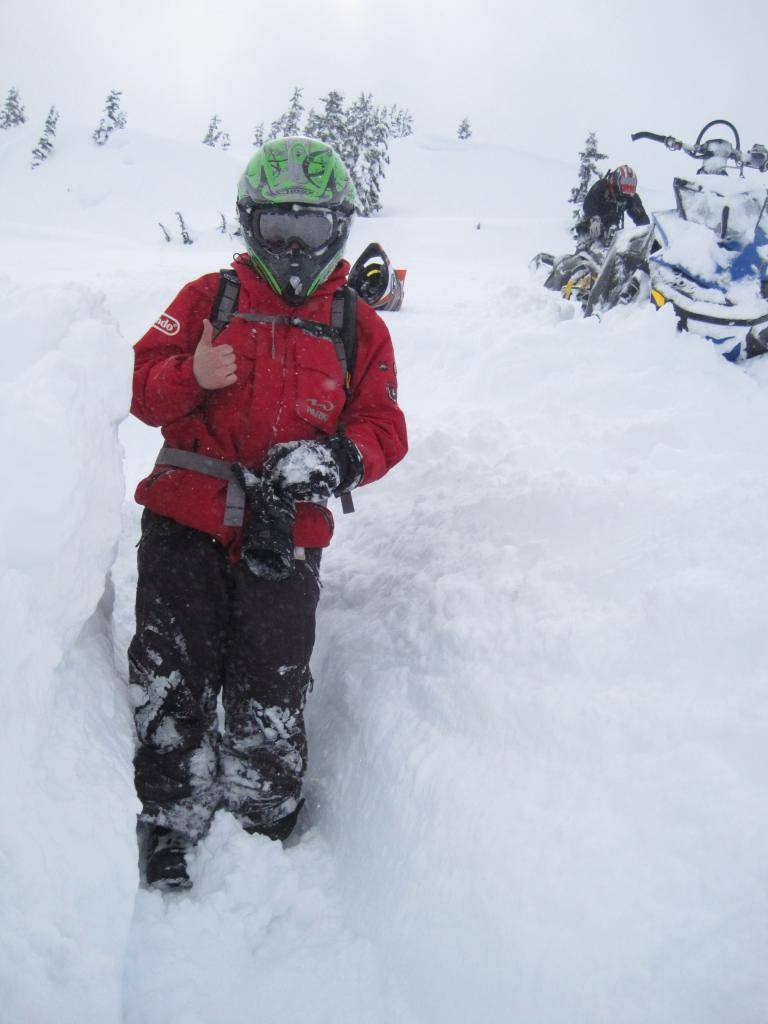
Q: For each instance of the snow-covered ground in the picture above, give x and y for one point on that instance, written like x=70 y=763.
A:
x=538 y=731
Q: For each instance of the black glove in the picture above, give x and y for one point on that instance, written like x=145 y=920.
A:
x=348 y=459
x=267 y=547
x=314 y=470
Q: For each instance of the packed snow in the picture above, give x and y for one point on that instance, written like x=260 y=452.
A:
x=538 y=731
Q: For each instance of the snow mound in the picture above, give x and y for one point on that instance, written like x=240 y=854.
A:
x=68 y=875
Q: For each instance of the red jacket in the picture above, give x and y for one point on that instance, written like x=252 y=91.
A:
x=289 y=387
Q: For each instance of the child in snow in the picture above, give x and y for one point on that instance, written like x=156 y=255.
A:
x=293 y=402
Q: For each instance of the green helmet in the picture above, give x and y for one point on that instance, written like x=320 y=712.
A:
x=295 y=202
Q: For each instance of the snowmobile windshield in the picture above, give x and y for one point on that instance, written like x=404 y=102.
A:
x=733 y=217
x=278 y=229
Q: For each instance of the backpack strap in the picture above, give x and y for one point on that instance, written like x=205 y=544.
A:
x=225 y=303
x=344 y=333
x=344 y=325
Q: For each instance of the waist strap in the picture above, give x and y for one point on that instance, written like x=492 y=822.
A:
x=234 y=511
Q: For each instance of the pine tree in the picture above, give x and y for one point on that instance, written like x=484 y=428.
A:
x=588 y=170
x=289 y=123
x=213 y=134
x=113 y=119
x=464 y=129
x=12 y=113
x=45 y=144
x=330 y=126
x=366 y=152
x=258 y=135
x=400 y=122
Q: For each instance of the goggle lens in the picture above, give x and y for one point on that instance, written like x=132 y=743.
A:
x=312 y=229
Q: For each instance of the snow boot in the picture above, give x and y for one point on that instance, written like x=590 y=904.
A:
x=166 y=865
x=278 y=830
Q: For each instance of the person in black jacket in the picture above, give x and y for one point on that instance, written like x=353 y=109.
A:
x=607 y=202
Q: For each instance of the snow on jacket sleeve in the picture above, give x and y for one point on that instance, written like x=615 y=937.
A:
x=164 y=385
x=372 y=417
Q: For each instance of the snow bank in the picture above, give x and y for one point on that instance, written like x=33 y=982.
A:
x=539 y=729
x=68 y=871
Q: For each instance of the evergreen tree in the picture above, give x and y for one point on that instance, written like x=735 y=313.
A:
x=213 y=134
x=366 y=151
x=12 y=113
x=113 y=118
x=225 y=142
x=258 y=135
x=588 y=170
x=289 y=123
x=330 y=126
x=45 y=144
x=465 y=129
x=400 y=122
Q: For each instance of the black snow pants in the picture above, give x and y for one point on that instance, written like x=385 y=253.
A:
x=205 y=627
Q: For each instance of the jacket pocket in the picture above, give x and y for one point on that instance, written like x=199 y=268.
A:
x=319 y=385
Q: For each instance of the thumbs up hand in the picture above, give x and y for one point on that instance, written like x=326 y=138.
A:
x=213 y=367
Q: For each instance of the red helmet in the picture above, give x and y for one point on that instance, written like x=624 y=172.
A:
x=623 y=180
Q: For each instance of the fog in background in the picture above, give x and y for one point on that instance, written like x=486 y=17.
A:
x=538 y=75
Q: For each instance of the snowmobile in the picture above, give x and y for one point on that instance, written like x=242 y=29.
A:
x=711 y=261
x=708 y=257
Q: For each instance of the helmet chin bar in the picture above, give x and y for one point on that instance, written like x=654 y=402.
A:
x=296 y=293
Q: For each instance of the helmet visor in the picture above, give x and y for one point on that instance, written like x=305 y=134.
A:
x=278 y=229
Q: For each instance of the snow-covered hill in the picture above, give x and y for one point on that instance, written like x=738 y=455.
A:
x=538 y=731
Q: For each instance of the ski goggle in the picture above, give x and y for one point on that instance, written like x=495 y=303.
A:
x=312 y=228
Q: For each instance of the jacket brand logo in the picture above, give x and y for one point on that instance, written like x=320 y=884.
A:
x=315 y=409
x=167 y=324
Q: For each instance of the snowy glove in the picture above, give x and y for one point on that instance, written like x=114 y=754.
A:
x=595 y=227
x=267 y=546
x=303 y=470
x=348 y=459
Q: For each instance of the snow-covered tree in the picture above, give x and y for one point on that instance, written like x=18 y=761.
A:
x=330 y=126
x=465 y=129
x=400 y=122
x=213 y=134
x=588 y=172
x=12 y=113
x=366 y=151
x=289 y=123
x=258 y=134
x=113 y=119
x=45 y=144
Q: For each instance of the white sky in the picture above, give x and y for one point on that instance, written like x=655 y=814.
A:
x=539 y=73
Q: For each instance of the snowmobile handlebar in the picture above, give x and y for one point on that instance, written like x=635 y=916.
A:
x=718 y=150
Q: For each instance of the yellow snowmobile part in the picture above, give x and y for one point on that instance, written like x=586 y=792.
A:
x=658 y=299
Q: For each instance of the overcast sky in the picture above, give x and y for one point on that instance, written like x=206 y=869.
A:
x=540 y=73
